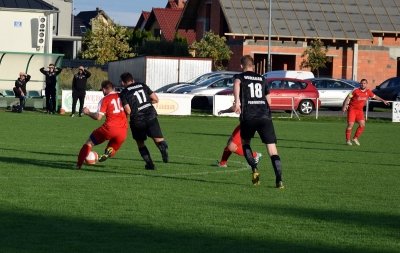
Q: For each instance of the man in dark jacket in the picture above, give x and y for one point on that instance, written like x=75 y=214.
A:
x=79 y=89
x=51 y=87
x=20 y=89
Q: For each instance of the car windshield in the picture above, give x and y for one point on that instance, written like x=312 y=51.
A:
x=210 y=81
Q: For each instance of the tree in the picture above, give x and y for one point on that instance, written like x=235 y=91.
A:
x=214 y=47
x=107 y=42
x=316 y=56
x=138 y=38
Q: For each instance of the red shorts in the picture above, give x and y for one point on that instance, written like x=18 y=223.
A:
x=116 y=136
x=355 y=115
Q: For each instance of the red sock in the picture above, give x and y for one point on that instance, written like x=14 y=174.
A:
x=225 y=156
x=358 y=132
x=83 y=153
x=348 y=134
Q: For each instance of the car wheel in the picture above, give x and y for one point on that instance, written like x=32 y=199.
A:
x=199 y=103
x=306 y=107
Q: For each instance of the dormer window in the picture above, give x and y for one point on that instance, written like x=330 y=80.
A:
x=83 y=29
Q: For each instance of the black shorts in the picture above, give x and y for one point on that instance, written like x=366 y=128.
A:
x=264 y=127
x=141 y=129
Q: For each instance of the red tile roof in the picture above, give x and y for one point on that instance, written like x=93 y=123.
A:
x=168 y=19
x=142 y=19
x=172 y=5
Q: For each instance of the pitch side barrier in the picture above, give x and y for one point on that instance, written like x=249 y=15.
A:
x=395 y=104
x=222 y=102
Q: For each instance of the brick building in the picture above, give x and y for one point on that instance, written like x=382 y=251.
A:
x=361 y=36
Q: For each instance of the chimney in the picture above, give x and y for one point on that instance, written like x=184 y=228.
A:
x=98 y=9
x=179 y=3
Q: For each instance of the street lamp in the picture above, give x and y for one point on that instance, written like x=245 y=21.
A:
x=269 y=39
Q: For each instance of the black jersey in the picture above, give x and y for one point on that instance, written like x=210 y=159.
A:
x=253 y=89
x=137 y=96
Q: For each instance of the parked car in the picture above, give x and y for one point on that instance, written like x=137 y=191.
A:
x=332 y=92
x=296 y=74
x=282 y=90
x=199 y=79
x=388 y=90
x=204 y=92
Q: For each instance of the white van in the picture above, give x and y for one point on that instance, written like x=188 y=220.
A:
x=298 y=74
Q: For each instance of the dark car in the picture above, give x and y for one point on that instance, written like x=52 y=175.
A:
x=332 y=92
x=388 y=90
x=284 y=91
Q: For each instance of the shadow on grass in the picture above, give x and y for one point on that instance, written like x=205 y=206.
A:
x=25 y=231
x=371 y=221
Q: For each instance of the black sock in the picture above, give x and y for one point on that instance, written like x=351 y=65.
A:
x=248 y=154
x=276 y=163
x=144 y=152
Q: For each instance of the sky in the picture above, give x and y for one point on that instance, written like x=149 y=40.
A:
x=123 y=12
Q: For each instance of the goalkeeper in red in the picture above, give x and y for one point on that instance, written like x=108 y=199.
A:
x=114 y=129
x=355 y=112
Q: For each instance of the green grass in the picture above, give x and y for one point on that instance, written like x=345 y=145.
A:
x=337 y=198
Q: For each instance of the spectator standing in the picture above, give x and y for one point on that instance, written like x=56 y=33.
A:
x=79 y=89
x=137 y=99
x=51 y=87
x=252 y=102
x=357 y=100
x=20 y=89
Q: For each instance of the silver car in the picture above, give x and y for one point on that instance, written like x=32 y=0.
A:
x=199 y=79
x=332 y=92
x=204 y=92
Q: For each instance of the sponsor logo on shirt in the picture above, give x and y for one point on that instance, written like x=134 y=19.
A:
x=254 y=78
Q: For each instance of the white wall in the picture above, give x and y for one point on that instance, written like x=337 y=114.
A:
x=23 y=38
x=64 y=17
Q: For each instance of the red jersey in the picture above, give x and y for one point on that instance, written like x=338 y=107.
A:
x=358 y=98
x=111 y=106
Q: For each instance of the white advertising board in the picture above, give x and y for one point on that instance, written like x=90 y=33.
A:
x=169 y=103
x=222 y=102
x=396 y=112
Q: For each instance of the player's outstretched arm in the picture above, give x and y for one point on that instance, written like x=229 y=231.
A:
x=381 y=99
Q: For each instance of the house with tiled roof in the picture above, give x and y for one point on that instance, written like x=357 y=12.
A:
x=144 y=16
x=87 y=16
x=161 y=22
x=362 y=37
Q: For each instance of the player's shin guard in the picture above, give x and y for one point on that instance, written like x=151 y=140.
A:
x=83 y=153
x=163 y=146
x=358 y=132
x=276 y=163
x=248 y=154
x=348 y=134
x=144 y=152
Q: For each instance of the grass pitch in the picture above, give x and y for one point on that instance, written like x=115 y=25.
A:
x=337 y=198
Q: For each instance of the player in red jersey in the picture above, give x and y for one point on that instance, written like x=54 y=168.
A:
x=114 y=129
x=234 y=144
x=355 y=112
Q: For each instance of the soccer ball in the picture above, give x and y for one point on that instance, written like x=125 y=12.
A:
x=92 y=158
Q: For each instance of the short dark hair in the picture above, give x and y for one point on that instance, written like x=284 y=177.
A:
x=107 y=84
x=362 y=80
x=51 y=64
x=126 y=77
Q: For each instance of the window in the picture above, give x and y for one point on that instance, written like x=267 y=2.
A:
x=157 y=33
x=83 y=29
